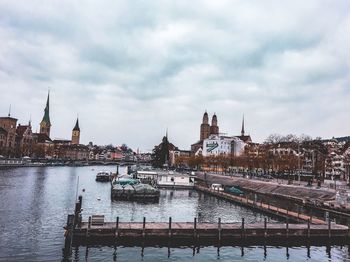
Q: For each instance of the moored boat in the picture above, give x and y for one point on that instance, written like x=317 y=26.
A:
x=235 y=191
x=103 y=176
x=175 y=180
x=128 y=188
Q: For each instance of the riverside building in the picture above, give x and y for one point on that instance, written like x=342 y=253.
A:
x=222 y=145
x=212 y=143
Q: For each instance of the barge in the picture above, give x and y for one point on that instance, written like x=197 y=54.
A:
x=127 y=188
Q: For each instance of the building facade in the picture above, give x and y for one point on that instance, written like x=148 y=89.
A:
x=8 y=135
x=222 y=145
x=24 y=140
x=210 y=135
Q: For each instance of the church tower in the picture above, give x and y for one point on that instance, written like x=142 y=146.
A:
x=205 y=127
x=214 y=129
x=76 y=133
x=242 y=131
x=45 y=124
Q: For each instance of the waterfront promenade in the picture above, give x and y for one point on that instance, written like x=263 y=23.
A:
x=263 y=207
x=296 y=193
x=321 y=199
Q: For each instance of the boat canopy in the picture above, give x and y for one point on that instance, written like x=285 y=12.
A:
x=126 y=181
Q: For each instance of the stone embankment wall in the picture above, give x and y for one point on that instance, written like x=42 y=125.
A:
x=296 y=193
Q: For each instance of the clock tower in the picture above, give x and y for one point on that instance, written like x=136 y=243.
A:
x=76 y=134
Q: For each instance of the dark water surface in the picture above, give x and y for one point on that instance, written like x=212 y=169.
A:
x=35 y=202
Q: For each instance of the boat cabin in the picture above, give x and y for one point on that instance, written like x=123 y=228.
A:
x=147 y=175
x=175 y=180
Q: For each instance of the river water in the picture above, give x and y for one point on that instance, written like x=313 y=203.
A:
x=35 y=202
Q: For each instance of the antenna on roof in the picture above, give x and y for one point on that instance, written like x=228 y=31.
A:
x=9 y=111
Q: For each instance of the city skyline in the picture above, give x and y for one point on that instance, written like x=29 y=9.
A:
x=131 y=73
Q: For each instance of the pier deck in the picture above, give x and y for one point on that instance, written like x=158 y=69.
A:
x=98 y=231
x=209 y=233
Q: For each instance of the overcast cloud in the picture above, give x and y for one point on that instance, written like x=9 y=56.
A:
x=130 y=69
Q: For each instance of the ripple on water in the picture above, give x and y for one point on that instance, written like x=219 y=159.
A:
x=35 y=203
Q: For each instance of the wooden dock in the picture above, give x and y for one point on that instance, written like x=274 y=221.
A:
x=189 y=233
x=263 y=207
x=97 y=231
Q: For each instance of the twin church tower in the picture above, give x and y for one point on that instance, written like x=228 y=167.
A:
x=45 y=124
x=206 y=129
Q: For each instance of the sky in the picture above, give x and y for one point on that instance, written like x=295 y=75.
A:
x=132 y=69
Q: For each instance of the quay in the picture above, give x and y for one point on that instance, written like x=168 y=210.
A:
x=319 y=200
x=263 y=207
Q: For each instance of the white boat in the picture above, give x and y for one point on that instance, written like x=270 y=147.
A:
x=217 y=187
x=175 y=180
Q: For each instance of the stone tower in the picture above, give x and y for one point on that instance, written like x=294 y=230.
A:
x=45 y=124
x=205 y=127
x=214 y=129
x=76 y=133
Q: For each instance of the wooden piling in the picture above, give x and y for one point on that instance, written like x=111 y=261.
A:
x=329 y=227
x=242 y=228
x=144 y=228
x=69 y=233
x=219 y=229
x=117 y=227
x=287 y=228
x=308 y=228
x=195 y=228
x=265 y=227
x=170 y=235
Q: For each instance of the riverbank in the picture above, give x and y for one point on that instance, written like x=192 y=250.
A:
x=15 y=163
x=322 y=199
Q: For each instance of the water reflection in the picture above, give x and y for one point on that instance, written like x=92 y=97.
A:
x=199 y=253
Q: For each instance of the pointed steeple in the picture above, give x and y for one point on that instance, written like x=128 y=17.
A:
x=166 y=134
x=76 y=133
x=45 y=124
x=76 y=127
x=46 y=117
x=9 y=111
x=242 y=131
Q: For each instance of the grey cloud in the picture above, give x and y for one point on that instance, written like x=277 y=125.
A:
x=131 y=69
